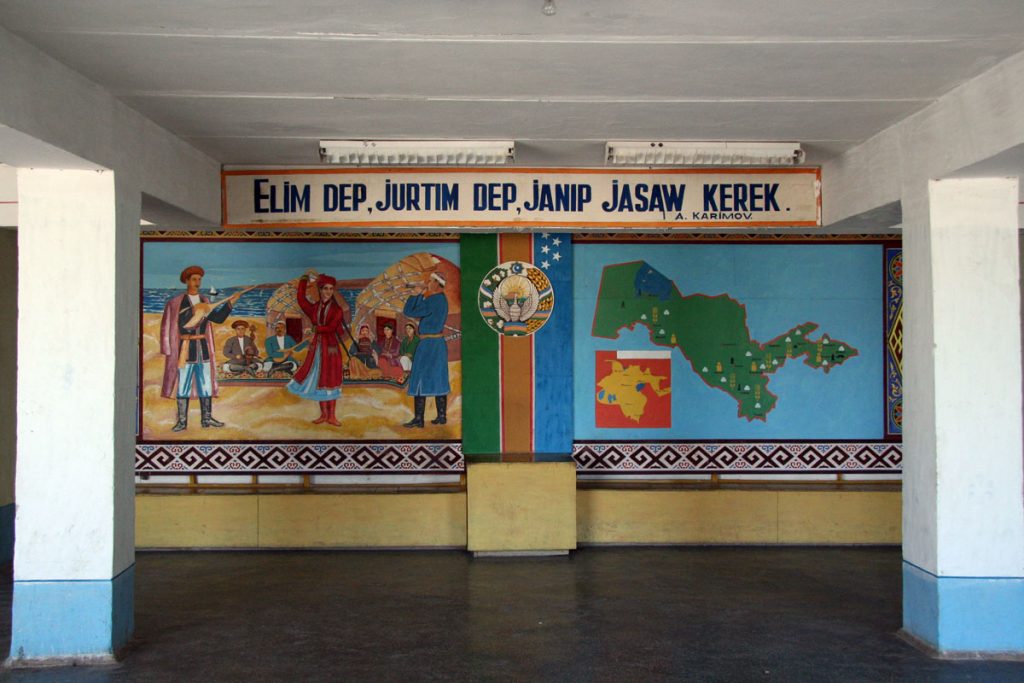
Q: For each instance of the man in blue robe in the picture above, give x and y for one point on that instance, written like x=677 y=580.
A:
x=429 y=375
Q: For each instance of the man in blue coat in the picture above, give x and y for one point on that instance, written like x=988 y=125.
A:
x=429 y=375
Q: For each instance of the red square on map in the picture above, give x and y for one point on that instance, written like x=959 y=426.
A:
x=633 y=389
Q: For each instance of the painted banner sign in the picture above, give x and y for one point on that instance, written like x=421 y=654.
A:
x=564 y=198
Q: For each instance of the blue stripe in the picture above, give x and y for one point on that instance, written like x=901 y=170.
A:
x=960 y=614
x=57 y=619
x=552 y=350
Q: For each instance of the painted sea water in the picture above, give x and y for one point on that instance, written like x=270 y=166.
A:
x=252 y=303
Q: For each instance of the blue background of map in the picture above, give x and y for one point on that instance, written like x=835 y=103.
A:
x=838 y=286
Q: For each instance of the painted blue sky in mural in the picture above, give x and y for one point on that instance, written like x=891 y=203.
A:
x=230 y=264
x=839 y=287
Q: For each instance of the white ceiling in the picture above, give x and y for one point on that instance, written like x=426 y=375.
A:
x=261 y=82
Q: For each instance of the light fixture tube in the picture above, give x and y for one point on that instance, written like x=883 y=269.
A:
x=697 y=153
x=418 y=152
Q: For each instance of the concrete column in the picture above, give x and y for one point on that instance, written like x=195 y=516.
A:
x=963 y=510
x=77 y=364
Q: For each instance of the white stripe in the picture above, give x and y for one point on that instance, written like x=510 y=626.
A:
x=640 y=355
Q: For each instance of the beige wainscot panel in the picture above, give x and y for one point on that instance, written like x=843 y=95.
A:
x=679 y=516
x=840 y=517
x=363 y=520
x=521 y=507
x=195 y=521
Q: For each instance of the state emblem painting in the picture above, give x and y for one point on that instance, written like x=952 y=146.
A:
x=634 y=389
x=515 y=298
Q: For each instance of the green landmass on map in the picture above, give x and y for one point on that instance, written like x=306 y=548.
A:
x=711 y=332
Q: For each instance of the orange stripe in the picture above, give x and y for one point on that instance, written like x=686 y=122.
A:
x=516 y=366
x=520 y=224
x=530 y=171
x=517 y=394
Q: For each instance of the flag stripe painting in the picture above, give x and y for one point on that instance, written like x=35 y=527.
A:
x=517 y=389
x=552 y=350
x=481 y=414
x=516 y=366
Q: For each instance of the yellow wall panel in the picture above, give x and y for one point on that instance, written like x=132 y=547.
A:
x=840 y=517
x=748 y=516
x=195 y=521
x=616 y=516
x=521 y=506
x=362 y=520
x=527 y=506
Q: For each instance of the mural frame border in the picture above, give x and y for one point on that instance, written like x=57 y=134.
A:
x=785 y=457
x=236 y=457
x=299 y=457
x=692 y=457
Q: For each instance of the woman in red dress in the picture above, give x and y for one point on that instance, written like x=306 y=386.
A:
x=319 y=378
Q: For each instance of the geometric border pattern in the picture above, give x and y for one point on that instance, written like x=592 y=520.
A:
x=398 y=457
x=748 y=457
x=893 y=337
x=591 y=457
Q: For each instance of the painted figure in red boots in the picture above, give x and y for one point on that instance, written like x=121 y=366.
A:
x=319 y=378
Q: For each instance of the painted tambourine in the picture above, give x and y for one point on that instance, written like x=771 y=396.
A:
x=516 y=298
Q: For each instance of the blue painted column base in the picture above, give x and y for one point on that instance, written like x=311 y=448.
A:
x=72 y=620
x=964 y=615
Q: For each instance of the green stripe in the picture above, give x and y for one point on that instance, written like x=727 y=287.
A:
x=481 y=415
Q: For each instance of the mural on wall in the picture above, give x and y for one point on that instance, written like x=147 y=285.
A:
x=633 y=389
x=776 y=352
x=519 y=363
x=280 y=340
x=300 y=353
x=712 y=334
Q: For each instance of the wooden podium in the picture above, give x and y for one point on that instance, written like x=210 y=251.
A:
x=521 y=508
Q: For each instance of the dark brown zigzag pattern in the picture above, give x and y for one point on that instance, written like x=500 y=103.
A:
x=299 y=458
x=749 y=458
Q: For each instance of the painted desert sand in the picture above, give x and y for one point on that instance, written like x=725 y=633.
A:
x=258 y=413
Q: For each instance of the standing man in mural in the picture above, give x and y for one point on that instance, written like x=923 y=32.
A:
x=319 y=378
x=429 y=376
x=186 y=341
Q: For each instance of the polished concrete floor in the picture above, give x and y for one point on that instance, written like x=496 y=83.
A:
x=623 y=614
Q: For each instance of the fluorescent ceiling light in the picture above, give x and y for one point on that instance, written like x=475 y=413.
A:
x=418 y=152
x=696 y=153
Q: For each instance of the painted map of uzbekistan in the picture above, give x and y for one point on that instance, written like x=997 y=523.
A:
x=711 y=332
